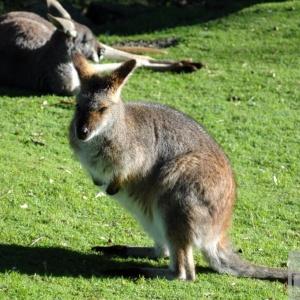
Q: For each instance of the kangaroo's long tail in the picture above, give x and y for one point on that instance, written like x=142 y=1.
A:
x=224 y=260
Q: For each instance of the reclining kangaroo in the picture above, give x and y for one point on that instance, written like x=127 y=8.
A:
x=36 y=54
x=165 y=170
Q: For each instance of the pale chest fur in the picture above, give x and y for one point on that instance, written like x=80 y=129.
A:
x=102 y=174
x=100 y=171
x=74 y=79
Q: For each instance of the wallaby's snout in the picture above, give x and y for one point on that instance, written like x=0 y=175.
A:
x=82 y=132
x=88 y=123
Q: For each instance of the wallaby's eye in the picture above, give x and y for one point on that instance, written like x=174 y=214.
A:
x=102 y=110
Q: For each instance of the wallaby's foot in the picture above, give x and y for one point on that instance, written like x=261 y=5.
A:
x=132 y=251
x=183 y=66
x=198 y=65
x=187 y=66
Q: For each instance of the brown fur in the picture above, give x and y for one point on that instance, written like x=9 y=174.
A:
x=166 y=170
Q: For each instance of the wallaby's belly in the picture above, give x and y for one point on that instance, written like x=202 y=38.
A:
x=142 y=208
x=151 y=222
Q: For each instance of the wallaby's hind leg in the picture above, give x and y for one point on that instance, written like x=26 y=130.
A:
x=181 y=260
x=159 y=251
x=182 y=263
x=186 y=66
x=181 y=266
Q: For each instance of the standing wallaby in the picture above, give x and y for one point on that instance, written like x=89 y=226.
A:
x=165 y=170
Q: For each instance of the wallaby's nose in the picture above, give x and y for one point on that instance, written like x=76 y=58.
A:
x=82 y=132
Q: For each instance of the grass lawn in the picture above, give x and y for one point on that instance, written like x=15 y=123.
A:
x=247 y=97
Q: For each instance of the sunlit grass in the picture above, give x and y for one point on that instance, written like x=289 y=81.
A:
x=247 y=97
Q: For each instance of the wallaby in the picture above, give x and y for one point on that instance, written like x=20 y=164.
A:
x=86 y=42
x=36 y=54
x=165 y=170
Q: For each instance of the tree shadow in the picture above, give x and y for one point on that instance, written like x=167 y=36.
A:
x=122 y=19
x=14 y=92
x=166 y=17
x=130 y=19
x=63 y=262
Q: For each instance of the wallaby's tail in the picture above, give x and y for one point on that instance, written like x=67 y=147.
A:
x=224 y=260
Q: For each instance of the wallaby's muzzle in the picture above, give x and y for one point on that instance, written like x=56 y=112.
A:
x=82 y=132
x=86 y=125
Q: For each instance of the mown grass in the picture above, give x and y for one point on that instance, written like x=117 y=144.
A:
x=247 y=97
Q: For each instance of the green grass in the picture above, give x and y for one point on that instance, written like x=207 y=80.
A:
x=247 y=97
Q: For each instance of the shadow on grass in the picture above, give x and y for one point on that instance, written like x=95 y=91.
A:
x=65 y=262
x=120 y=19
x=64 y=101
x=16 y=92
x=134 y=18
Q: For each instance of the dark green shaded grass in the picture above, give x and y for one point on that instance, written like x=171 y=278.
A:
x=247 y=97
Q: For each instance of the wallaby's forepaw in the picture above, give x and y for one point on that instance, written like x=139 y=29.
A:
x=117 y=250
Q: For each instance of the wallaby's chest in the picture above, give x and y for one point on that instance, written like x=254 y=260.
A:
x=117 y=179
x=98 y=167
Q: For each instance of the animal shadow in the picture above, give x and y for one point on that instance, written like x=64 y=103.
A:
x=64 y=262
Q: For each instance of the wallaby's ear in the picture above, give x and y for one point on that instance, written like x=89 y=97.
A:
x=84 y=69
x=119 y=77
x=55 y=9
x=66 y=26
